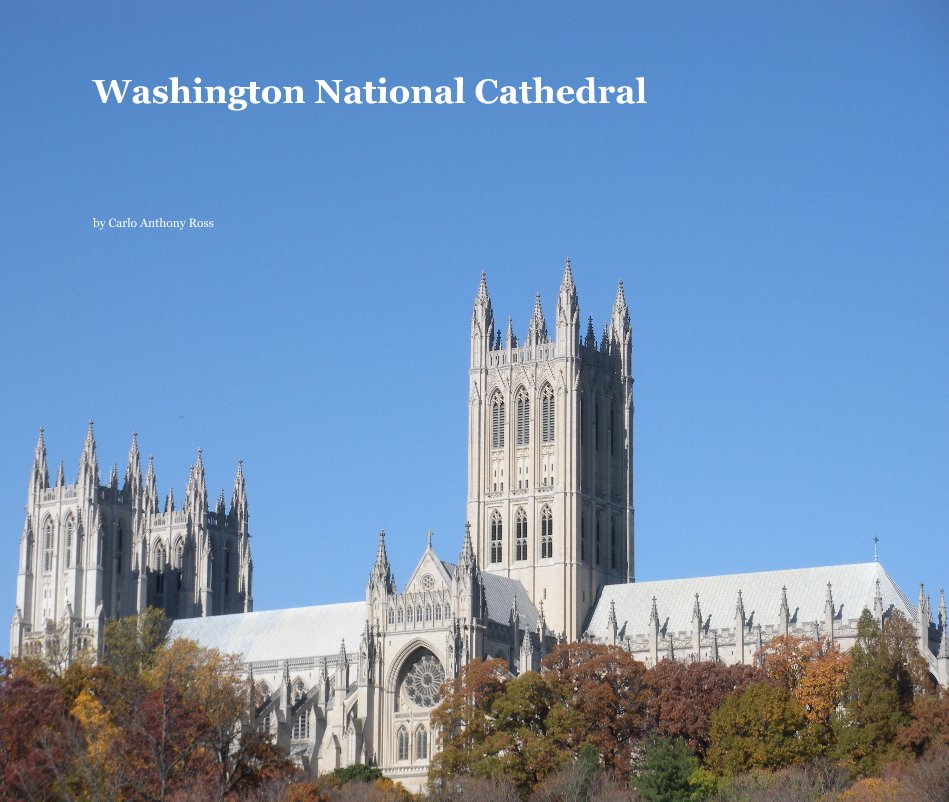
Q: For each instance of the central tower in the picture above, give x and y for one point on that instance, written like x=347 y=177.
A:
x=550 y=454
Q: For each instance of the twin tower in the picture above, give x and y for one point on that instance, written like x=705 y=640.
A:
x=550 y=454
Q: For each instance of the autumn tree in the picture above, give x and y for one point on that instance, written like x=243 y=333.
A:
x=814 y=672
x=607 y=697
x=35 y=733
x=464 y=720
x=686 y=696
x=764 y=727
x=928 y=727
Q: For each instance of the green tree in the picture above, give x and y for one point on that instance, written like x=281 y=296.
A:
x=665 y=771
x=130 y=643
x=877 y=696
x=762 y=728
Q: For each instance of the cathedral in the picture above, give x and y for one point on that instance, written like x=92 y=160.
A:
x=546 y=556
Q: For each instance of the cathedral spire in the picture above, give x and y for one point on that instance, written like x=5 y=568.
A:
x=511 y=339
x=133 y=468
x=150 y=501
x=590 y=340
x=785 y=611
x=381 y=579
x=482 y=323
x=39 y=477
x=467 y=561
x=620 y=331
x=239 y=494
x=88 y=474
x=537 y=329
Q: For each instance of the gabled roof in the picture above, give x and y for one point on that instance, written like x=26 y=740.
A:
x=297 y=632
x=853 y=588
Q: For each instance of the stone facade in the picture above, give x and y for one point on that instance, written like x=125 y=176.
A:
x=91 y=552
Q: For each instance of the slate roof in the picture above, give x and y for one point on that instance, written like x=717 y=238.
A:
x=853 y=588
x=289 y=634
x=500 y=592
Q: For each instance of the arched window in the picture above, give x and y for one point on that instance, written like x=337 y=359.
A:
x=613 y=544
x=29 y=551
x=48 y=547
x=403 y=742
x=421 y=743
x=447 y=612
x=497 y=421
x=548 y=415
x=523 y=418
x=520 y=535
x=118 y=550
x=391 y=616
x=438 y=612
x=596 y=542
x=418 y=614
x=546 y=533
x=161 y=560
x=69 y=535
x=301 y=724
x=179 y=554
x=400 y=616
x=408 y=612
x=496 y=538
x=428 y=612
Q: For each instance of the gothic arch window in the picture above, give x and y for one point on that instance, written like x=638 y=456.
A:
x=227 y=570
x=400 y=615
x=596 y=542
x=118 y=550
x=418 y=614
x=520 y=535
x=438 y=612
x=546 y=533
x=391 y=617
x=351 y=746
x=497 y=537
x=161 y=560
x=48 y=537
x=29 y=551
x=421 y=742
x=548 y=415
x=301 y=724
x=409 y=613
x=497 y=421
x=523 y=418
x=447 y=612
x=70 y=527
x=403 y=743
x=613 y=544
x=428 y=612
x=179 y=554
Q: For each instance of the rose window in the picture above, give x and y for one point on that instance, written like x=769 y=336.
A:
x=423 y=681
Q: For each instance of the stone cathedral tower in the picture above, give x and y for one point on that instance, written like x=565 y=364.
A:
x=550 y=454
x=92 y=552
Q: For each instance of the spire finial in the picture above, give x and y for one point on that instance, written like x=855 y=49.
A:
x=428 y=536
x=876 y=556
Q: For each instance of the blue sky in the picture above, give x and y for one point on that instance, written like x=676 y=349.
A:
x=777 y=211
